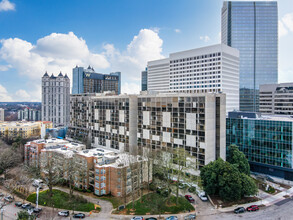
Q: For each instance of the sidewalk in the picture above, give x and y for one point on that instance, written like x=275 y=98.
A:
x=267 y=200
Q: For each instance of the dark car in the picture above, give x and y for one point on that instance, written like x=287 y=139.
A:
x=151 y=218
x=189 y=198
x=63 y=213
x=18 y=204
x=79 y=215
x=37 y=210
x=252 y=208
x=239 y=210
x=190 y=217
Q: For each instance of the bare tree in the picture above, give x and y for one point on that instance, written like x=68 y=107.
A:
x=8 y=159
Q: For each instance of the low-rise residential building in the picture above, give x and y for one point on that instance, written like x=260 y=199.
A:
x=26 y=130
x=100 y=170
x=266 y=140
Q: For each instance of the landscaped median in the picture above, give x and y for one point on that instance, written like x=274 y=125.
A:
x=154 y=204
x=63 y=200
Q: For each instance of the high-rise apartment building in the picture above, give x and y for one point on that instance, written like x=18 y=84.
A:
x=28 y=114
x=56 y=99
x=137 y=123
x=212 y=69
x=265 y=140
x=144 y=80
x=252 y=28
x=276 y=99
x=105 y=120
x=2 y=116
x=88 y=81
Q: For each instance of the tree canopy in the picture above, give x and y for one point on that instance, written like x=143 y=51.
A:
x=237 y=158
x=224 y=179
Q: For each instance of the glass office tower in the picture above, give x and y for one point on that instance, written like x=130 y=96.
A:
x=252 y=28
x=144 y=80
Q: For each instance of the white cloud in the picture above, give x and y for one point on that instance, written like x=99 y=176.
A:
x=6 y=5
x=205 y=38
x=53 y=53
x=177 y=31
x=146 y=46
x=282 y=30
x=61 y=52
x=4 y=96
x=287 y=20
x=5 y=67
x=130 y=88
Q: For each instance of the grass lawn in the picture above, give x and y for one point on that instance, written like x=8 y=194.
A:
x=154 y=203
x=62 y=200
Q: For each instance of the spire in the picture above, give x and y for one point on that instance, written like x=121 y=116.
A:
x=60 y=74
x=89 y=67
x=46 y=74
x=66 y=76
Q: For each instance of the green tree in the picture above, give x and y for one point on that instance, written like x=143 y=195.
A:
x=224 y=179
x=23 y=215
x=248 y=185
x=237 y=158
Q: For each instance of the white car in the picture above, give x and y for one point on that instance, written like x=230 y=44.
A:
x=137 y=218
x=63 y=213
x=203 y=196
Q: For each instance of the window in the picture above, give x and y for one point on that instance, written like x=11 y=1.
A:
x=97 y=192
x=97 y=171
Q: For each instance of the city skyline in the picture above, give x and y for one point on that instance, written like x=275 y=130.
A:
x=37 y=37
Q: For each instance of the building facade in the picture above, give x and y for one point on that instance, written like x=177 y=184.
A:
x=56 y=99
x=28 y=114
x=212 y=69
x=195 y=122
x=88 y=81
x=25 y=130
x=276 y=99
x=136 y=123
x=265 y=140
x=104 y=120
x=2 y=116
x=252 y=28
x=144 y=80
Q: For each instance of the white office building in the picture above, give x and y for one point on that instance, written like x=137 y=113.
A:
x=212 y=69
x=2 y=114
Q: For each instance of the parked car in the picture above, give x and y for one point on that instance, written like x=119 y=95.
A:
x=63 y=213
x=202 y=196
x=24 y=206
x=37 y=210
x=8 y=198
x=190 y=217
x=18 y=204
x=189 y=198
x=239 y=210
x=79 y=215
x=38 y=183
x=252 y=208
x=151 y=218
x=1 y=194
x=172 y=218
x=137 y=218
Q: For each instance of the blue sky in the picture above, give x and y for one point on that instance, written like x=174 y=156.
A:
x=111 y=35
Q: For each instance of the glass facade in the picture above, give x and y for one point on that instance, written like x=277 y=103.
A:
x=266 y=143
x=144 y=80
x=252 y=28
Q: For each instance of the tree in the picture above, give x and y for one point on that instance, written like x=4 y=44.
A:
x=237 y=158
x=23 y=215
x=224 y=179
x=8 y=159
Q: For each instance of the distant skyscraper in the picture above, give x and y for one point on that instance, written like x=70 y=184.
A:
x=252 y=28
x=144 y=80
x=88 y=81
x=2 y=114
x=56 y=99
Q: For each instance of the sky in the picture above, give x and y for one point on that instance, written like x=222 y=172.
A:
x=111 y=35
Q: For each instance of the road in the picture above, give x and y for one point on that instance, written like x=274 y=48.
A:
x=280 y=211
